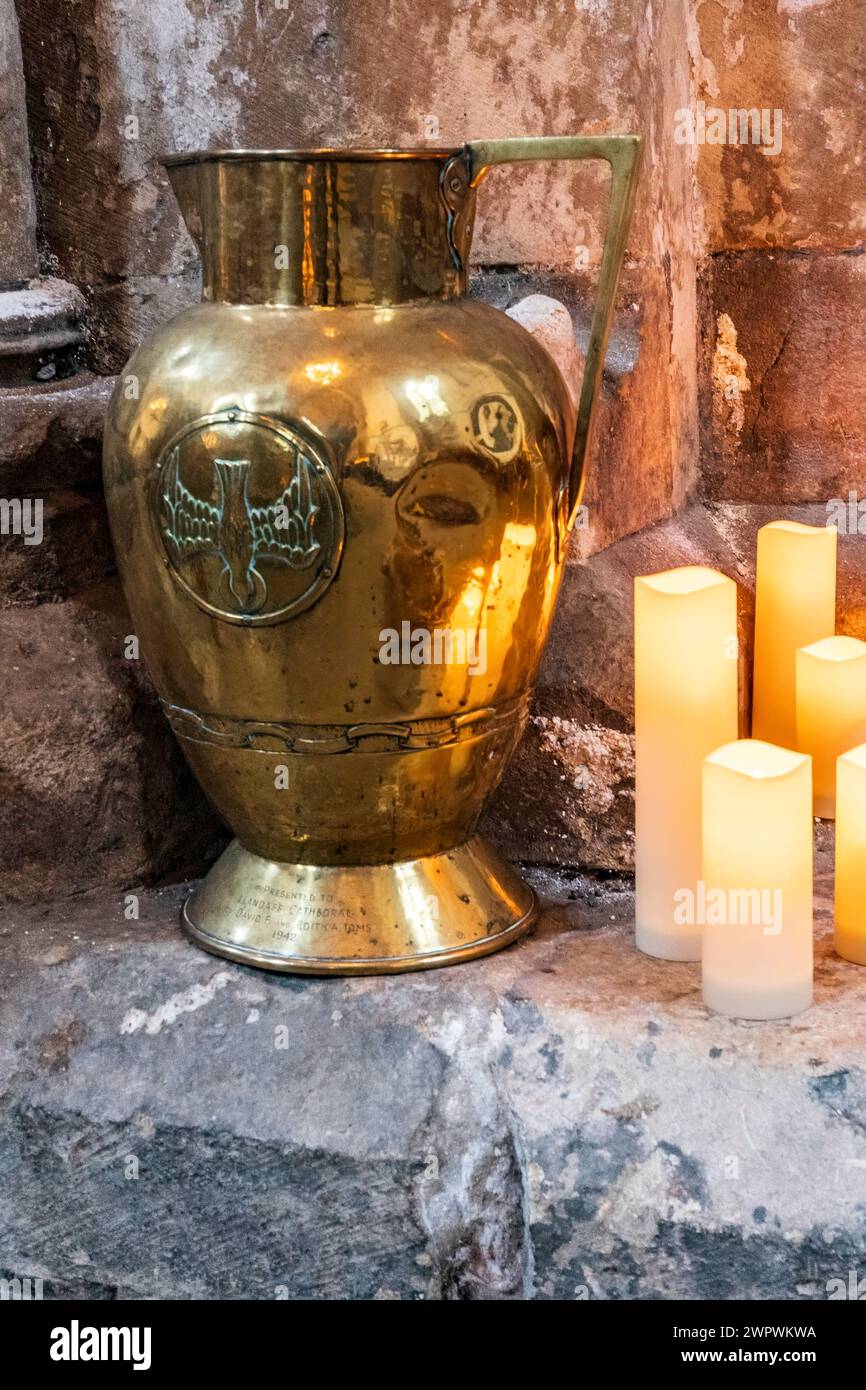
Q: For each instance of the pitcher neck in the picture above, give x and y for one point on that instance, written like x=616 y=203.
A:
x=327 y=227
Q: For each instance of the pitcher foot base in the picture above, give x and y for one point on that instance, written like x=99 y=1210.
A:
x=359 y=920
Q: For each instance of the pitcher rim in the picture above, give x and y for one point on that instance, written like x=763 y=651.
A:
x=432 y=152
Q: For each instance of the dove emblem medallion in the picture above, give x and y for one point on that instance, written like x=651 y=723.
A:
x=249 y=516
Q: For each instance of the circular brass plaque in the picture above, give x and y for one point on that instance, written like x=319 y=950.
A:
x=249 y=516
x=497 y=428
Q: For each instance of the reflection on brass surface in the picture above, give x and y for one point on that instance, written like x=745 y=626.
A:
x=339 y=494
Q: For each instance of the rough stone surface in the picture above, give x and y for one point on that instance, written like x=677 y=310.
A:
x=50 y=455
x=784 y=358
x=564 y=1120
x=74 y=554
x=784 y=289
x=93 y=788
x=804 y=59
x=18 y=261
x=40 y=315
x=568 y=796
x=52 y=435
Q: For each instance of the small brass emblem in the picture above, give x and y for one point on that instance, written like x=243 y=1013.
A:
x=496 y=425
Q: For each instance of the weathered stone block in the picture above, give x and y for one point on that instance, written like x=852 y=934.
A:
x=52 y=435
x=74 y=553
x=93 y=788
x=804 y=61
x=50 y=454
x=41 y=328
x=568 y=797
x=18 y=210
x=784 y=376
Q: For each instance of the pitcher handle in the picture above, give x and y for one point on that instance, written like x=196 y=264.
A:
x=623 y=154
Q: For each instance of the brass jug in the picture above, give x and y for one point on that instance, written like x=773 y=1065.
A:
x=340 y=494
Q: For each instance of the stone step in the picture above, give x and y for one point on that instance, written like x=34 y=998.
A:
x=564 y=1120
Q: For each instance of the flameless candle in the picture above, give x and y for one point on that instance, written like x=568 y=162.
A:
x=685 y=705
x=831 y=710
x=757 y=880
x=851 y=855
x=795 y=604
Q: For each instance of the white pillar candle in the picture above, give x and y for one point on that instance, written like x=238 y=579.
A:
x=757 y=880
x=831 y=710
x=850 y=937
x=795 y=604
x=685 y=705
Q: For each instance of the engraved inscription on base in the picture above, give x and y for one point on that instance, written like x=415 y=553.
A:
x=290 y=912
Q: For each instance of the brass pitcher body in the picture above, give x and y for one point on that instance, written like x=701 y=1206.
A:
x=340 y=494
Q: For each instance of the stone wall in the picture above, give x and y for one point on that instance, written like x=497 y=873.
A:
x=734 y=379
x=784 y=281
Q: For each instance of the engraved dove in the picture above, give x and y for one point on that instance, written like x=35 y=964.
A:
x=238 y=533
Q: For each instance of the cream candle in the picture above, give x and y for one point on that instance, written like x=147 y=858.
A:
x=795 y=604
x=850 y=933
x=757 y=876
x=685 y=705
x=831 y=710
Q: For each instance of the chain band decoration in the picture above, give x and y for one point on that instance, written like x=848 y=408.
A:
x=412 y=736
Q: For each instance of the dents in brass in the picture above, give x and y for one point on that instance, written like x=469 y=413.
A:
x=395 y=449
x=490 y=427
x=249 y=516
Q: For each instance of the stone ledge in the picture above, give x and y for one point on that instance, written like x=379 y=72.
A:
x=41 y=326
x=52 y=435
x=563 y=1120
x=41 y=316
